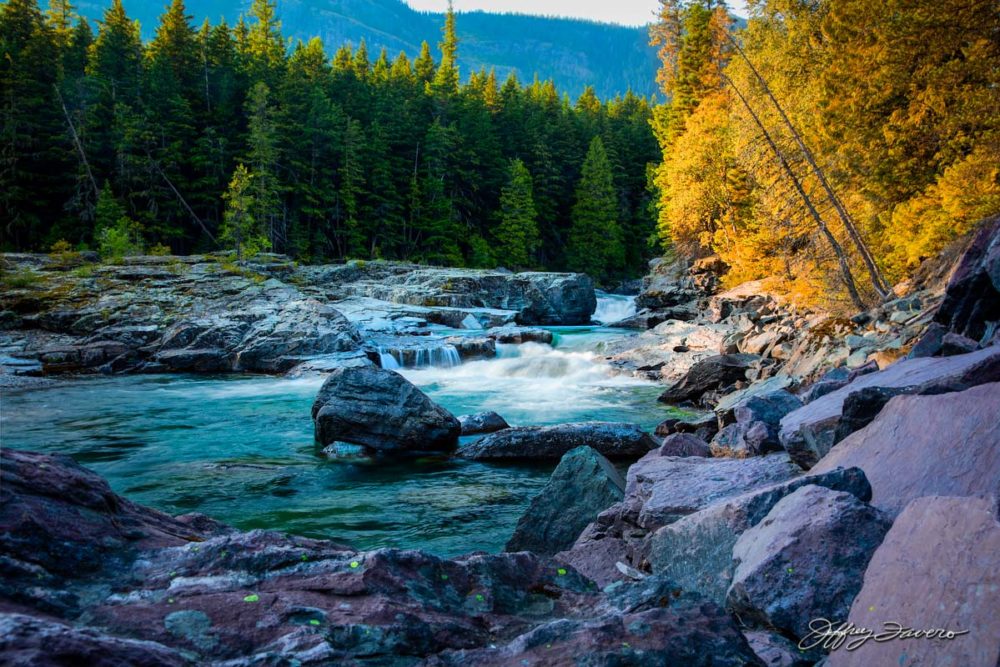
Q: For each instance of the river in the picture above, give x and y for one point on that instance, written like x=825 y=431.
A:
x=240 y=448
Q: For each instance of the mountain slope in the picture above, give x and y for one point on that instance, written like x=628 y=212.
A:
x=575 y=53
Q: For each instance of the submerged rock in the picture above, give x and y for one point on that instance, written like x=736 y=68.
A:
x=582 y=486
x=381 y=411
x=482 y=422
x=804 y=560
x=550 y=443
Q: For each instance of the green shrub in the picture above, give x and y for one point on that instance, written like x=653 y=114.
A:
x=123 y=239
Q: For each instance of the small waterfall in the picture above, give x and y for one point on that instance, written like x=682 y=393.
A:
x=613 y=308
x=442 y=356
x=387 y=360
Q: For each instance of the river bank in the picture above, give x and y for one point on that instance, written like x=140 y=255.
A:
x=799 y=464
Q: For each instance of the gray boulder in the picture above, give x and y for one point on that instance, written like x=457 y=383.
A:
x=520 y=335
x=697 y=550
x=936 y=568
x=804 y=560
x=709 y=374
x=684 y=444
x=971 y=305
x=550 y=443
x=381 y=411
x=482 y=422
x=927 y=445
x=755 y=422
x=809 y=432
x=662 y=489
x=582 y=486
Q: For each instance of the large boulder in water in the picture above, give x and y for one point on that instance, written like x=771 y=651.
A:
x=582 y=486
x=550 y=443
x=381 y=411
x=804 y=560
x=482 y=422
x=936 y=569
x=947 y=444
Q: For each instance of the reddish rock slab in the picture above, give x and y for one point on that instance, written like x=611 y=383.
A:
x=808 y=433
x=936 y=569
x=804 y=560
x=27 y=641
x=684 y=444
x=948 y=444
x=663 y=489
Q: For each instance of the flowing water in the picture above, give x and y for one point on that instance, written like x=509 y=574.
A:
x=240 y=449
x=612 y=308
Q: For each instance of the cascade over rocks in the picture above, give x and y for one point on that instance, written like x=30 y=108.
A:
x=198 y=314
x=550 y=443
x=582 y=486
x=381 y=411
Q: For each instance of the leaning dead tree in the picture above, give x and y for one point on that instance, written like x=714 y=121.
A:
x=877 y=280
x=838 y=250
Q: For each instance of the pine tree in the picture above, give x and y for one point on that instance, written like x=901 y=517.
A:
x=517 y=233
x=595 y=243
x=262 y=155
x=424 y=66
x=239 y=226
x=31 y=153
x=266 y=46
x=446 y=78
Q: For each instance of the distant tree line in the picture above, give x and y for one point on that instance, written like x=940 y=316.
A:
x=224 y=137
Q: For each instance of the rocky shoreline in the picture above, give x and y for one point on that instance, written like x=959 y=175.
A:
x=830 y=468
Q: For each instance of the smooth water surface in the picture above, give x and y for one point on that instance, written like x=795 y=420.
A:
x=240 y=449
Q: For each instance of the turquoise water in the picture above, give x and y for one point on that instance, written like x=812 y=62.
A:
x=240 y=449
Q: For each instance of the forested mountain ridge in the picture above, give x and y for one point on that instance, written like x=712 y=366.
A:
x=574 y=53
x=219 y=138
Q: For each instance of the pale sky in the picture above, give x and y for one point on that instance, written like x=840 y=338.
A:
x=627 y=12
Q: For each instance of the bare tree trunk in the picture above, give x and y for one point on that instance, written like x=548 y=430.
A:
x=877 y=280
x=845 y=269
x=180 y=198
x=77 y=142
